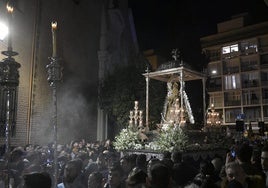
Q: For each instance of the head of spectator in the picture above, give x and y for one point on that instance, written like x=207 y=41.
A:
x=166 y=155
x=125 y=163
x=206 y=174
x=116 y=176
x=243 y=157
x=95 y=180
x=150 y=163
x=136 y=178
x=244 y=153
x=40 y=180
x=159 y=176
x=72 y=170
x=141 y=162
x=16 y=155
x=206 y=168
x=234 y=184
x=176 y=157
x=264 y=158
x=235 y=171
x=102 y=161
x=182 y=174
x=217 y=162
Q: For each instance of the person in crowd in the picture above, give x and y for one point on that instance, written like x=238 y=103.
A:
x=16 y=165
x=40 y=180
x=243 y=157
x=136 y=178
x=73 y=177
x=128 y=162
x=234 y=171
x=95 y=180
x=141 y=162
x=218 y=164
x=264 y=163
x=115 y=179
x=176 y=157
x=182 y=174
x=159 y=176
x=207 y=176
x=150 y=163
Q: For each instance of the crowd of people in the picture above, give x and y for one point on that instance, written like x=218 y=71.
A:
x=97 y=165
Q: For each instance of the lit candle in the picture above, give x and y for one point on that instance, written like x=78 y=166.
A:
x=54 y=43
x=9 y=8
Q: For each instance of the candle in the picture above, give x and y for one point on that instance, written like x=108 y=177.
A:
x=54 y=43
x=9 y=8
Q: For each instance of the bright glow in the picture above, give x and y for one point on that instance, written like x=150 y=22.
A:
x=230 y=48
x=3 y=31
x=214 y=71
x=9 y=8
x=54 y=25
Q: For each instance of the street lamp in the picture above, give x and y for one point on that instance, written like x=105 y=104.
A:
x=54 y=70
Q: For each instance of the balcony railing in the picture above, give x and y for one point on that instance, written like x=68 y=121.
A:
x=232 y=102
x=249 y=83
x=230 y=70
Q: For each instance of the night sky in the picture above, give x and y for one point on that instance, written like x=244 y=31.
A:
x=166 y=24
x=163 y=25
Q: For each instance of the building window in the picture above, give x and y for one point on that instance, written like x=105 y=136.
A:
x=231 y=66
x=232 y=98
x=265 y=95
x=249 y=63
x=231 y=114
x=264 y=78
x=215 y=84
x=249 y=47
x=229 y=49
x=251 y=97
x=264 y=61
x=232 y=82
x=252 y=113
x=214 y=55
x=214 y=69
x=216 y=99
x=250 y=79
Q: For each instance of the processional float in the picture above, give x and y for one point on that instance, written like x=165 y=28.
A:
x=175 y=73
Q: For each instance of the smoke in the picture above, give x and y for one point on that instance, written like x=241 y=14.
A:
x=76 y=112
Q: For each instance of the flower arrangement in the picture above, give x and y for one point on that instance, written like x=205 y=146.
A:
x=169 y=139
x=127 y=139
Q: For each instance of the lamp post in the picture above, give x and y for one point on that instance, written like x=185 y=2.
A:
x=54 y=71
x=9 y=81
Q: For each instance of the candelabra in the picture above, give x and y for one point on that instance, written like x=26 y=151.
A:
x=9 y=81
x=177 y=115
x=136 y=116
x=213 y=117
x=54 y=70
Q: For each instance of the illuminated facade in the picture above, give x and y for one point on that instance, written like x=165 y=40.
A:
x=238 y=70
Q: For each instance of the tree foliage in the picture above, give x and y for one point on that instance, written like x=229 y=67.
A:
x=126 y=85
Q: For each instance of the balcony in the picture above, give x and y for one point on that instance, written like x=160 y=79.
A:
x=230 y=70
x=232 y=102
x=249 y=83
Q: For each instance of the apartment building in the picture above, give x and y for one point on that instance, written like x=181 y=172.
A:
x=237 y=70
